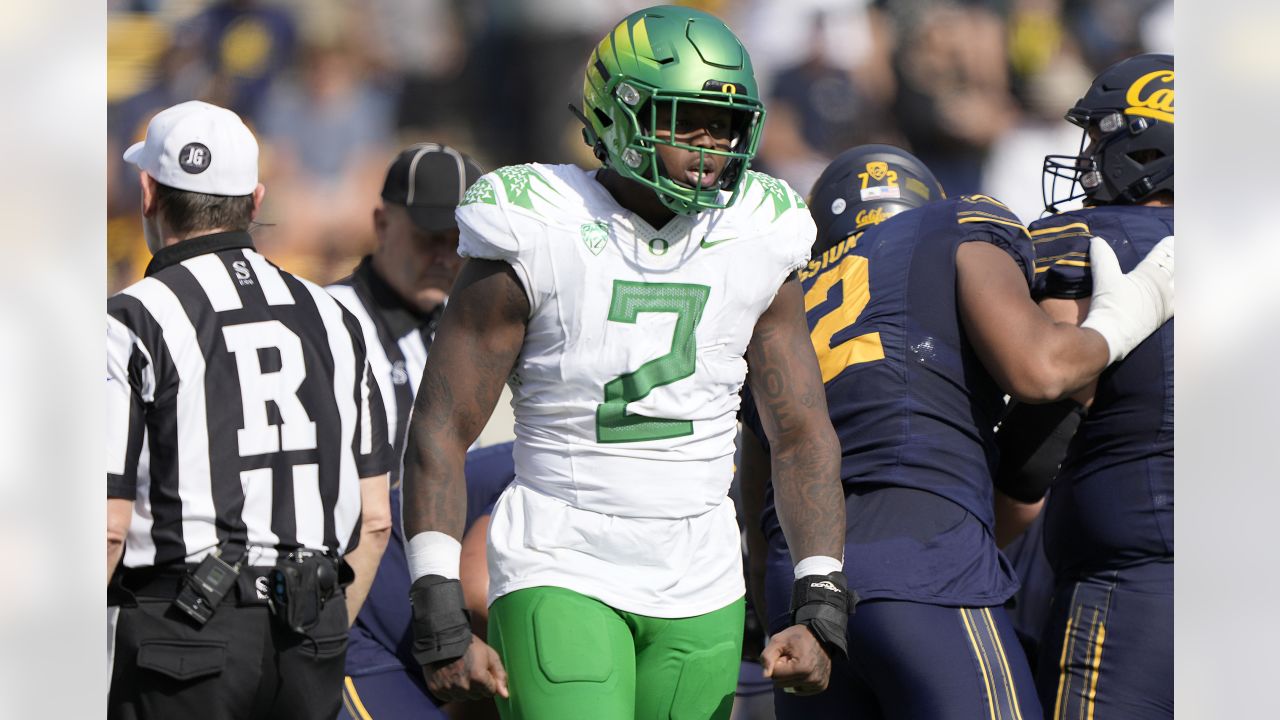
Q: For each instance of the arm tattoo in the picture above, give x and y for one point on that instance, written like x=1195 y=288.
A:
x=805 y=452
x=474 y=350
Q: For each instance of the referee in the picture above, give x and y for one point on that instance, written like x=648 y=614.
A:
x=247 y=452
x=398 y=293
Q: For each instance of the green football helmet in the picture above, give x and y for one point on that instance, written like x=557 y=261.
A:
x=670 y=56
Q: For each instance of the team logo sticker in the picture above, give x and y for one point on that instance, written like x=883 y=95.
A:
x=877 y=170
x=1152 y=96
x=194 y=158
x=595 y=235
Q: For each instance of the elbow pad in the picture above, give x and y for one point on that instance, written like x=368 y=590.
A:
x=1033 y=441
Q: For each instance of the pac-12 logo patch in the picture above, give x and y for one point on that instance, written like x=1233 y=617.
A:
x=595 y=235
x=194 y=158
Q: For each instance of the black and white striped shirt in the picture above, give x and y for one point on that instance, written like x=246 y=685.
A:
x=242 y=410
x=397 y=338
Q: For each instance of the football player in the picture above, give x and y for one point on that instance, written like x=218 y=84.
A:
x=1107 y=649
x=921 y=315
x=623 y=306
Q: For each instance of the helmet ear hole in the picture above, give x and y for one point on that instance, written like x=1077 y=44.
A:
x=605 y=120
x=1145 y=156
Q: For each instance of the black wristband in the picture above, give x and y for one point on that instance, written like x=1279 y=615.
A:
x=823 y=603
x=441 y=625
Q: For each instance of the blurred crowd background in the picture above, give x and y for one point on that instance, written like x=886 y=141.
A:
x=976 y=88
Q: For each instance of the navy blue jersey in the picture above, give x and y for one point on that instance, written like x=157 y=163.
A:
x=1113 y=501
x=380 y=639
x=912 y=404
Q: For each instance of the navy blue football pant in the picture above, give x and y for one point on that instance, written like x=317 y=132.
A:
x=914 y=661
x=396 y=693
x=1107 y=650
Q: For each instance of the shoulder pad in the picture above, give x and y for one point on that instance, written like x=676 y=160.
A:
x=521 y=186
x=986 y=209
x=765 y=193
x=1062 y=256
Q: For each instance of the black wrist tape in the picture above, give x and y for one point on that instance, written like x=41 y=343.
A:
x=823 y=603
x=441 y=625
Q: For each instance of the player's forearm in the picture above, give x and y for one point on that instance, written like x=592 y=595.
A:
x=808 y=493
x=1013 y=517
x=434 y=485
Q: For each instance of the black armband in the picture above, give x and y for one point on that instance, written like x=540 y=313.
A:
x=823 y=603
x=441 y=625
x=1033 y=440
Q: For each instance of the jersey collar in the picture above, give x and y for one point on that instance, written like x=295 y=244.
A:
x=195 y=247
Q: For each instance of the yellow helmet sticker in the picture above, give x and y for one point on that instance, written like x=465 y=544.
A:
x=1147 y=99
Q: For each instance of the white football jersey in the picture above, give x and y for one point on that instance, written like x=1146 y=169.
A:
x=625 y=393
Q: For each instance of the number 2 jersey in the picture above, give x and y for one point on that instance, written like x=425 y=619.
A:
x=913 y=406
x=625 y=392
x=1112 y=502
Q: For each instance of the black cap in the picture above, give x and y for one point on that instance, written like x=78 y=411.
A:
x=429 y=179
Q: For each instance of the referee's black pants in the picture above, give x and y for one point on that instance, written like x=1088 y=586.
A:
x=243 y=664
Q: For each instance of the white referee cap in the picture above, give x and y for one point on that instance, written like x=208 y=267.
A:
x=198 y=147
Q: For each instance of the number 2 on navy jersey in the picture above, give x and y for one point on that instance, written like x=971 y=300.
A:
x=613 y=423
x=844 y=291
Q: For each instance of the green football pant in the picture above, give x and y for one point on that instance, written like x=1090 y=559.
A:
x=570 y=656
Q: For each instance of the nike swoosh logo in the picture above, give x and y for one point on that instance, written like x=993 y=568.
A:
x=704 y=244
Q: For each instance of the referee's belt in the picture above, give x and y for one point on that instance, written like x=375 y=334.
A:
x=163 y=583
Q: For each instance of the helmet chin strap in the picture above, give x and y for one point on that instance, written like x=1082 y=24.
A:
x=597 y=148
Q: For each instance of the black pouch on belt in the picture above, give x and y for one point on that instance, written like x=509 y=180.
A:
x=300 y=585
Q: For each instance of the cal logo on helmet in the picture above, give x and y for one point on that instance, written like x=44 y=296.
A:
x=869 y=216
x=1152 y=96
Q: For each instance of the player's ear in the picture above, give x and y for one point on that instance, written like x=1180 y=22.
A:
x=259 y=192
x=379 y=221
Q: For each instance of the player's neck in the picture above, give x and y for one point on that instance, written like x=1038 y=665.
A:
x=635 y=197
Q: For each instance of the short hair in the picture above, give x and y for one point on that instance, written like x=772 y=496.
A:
x=185 y=212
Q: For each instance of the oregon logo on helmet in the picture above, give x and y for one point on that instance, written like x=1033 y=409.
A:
x=1146 y=98
x=720 y=86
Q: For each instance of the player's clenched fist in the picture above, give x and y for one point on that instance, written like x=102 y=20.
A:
x=796 y=661
x=476 y=675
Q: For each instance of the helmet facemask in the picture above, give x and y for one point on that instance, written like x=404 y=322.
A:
x=663 y=63
x=663 y=121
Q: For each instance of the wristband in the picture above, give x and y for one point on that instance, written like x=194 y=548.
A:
x=823 y=603
x=441 y=625
x=433 y=553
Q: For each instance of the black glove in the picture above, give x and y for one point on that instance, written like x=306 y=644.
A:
x=823 y=603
